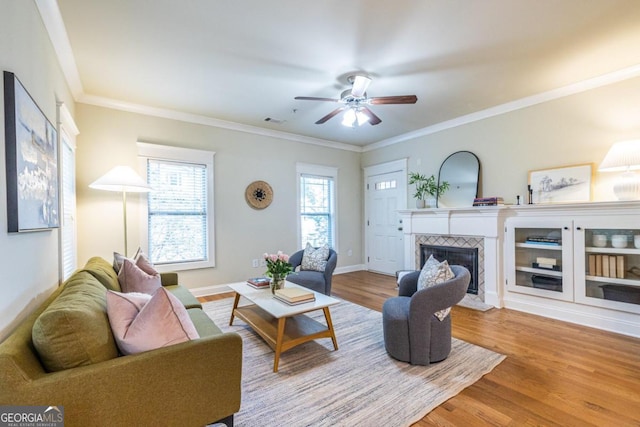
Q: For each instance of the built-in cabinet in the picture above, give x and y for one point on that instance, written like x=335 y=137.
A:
x=576 y=262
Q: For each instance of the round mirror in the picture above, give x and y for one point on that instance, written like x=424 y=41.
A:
x=462 y=171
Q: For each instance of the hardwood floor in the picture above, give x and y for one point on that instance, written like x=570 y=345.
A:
x=555 y=373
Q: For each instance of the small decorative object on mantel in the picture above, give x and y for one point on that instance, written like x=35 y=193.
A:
x=426 y=187
x=278 y=268
x=259 y=194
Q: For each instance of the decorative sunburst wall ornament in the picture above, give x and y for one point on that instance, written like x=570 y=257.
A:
x=259 y=194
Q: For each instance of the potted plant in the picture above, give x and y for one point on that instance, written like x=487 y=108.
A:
x=426 y=187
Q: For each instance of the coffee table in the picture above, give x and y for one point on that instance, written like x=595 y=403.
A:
x=281 y=325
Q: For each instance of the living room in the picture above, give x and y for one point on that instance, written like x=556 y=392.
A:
x=593 y=104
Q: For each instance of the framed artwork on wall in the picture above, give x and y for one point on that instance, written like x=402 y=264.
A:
x=565 y=184
x=31 y=149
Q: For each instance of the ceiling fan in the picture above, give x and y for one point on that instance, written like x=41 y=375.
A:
x=356 y=103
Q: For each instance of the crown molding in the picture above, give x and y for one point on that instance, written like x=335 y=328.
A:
x=572 y=89
x=209 y=121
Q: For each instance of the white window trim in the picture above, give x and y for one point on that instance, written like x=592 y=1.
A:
x=318 y=170
x=187 y=155
x=68 y=128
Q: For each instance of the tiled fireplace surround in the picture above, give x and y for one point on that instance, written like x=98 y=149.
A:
x=460 y=227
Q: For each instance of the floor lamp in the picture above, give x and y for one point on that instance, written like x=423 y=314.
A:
x=125 y=179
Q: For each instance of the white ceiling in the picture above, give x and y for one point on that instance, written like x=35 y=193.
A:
x=241 y=61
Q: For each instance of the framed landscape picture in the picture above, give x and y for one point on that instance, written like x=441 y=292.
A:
x=566 y=184
x=31 y=149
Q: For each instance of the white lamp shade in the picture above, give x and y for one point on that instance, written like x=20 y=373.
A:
x=121 y=178
x=622 y=156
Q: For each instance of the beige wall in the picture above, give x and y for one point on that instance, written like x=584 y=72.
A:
x=29 y=261
x=108 y=138
x=572 y=130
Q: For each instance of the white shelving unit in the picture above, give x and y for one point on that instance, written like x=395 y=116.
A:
x=579 y=292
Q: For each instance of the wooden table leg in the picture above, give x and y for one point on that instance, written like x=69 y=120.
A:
x=233 y=310
x=279 y=339
x=327 y=317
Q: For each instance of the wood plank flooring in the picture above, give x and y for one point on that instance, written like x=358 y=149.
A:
x=555 y=373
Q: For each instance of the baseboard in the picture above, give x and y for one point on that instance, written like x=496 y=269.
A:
x=612 y=321
x=349 y=269
x=220 y=289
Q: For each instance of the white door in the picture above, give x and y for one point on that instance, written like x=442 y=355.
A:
x=384 y=231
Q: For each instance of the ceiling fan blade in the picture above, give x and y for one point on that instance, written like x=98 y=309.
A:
x=313 y=98
x=360 y=85
x=402 y=99
x=330 y=115
x=373 y=119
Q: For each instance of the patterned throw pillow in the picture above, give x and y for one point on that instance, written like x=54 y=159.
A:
x=315 y=259
x=435 y=272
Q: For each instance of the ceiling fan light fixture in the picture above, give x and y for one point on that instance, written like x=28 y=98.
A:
x=360 y=85
x=349 y=118
x=361 y=117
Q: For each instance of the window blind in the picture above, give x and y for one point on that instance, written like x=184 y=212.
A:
x=177 y=211
x=69 y=255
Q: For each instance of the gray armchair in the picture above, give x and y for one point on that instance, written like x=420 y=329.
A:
x=411 y=331
x=319 y=281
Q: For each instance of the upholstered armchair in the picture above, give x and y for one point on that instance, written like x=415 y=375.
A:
x=319 y=281
x=412 y=332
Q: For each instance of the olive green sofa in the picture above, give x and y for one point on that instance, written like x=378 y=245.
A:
x=193 y=383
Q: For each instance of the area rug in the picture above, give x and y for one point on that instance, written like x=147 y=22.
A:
x=357 y=385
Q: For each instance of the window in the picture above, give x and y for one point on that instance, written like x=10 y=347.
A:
x=179 y=211
x=68 y=240
x=317 y=205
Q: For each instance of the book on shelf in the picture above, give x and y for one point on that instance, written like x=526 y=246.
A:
x=551 y=267
x=605 y=266
x=294 y=295
x=613 y=261
x=547 y=261
x=620 y=266
x=259 y=282
x=556 y=242
x=598 y=264
x=592 y=265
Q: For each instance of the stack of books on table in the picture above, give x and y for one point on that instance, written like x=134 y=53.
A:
x=293 y=296
x=259 y=282
x=488 y=201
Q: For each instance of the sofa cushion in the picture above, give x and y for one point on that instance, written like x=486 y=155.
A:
x=203 y=323
x=186 y=298
x=103 y=271
x=140 y=325
x=74 y=329
x=315 y=259
x=138 y=277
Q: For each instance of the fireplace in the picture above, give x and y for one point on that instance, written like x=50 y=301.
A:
x=466 y=257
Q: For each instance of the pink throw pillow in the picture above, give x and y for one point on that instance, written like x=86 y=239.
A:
x=134 y=278
x=142 y=322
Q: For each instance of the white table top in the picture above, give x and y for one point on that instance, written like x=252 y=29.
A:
x=264 y=299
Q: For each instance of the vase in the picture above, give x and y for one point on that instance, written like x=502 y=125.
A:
x=419 y=203
x=276 y=283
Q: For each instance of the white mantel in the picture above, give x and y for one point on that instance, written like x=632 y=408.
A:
x=485 y=222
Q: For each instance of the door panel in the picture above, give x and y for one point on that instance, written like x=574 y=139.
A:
x=384 y=234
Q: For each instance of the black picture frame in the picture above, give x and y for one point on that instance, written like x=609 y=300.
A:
x=31 y=150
